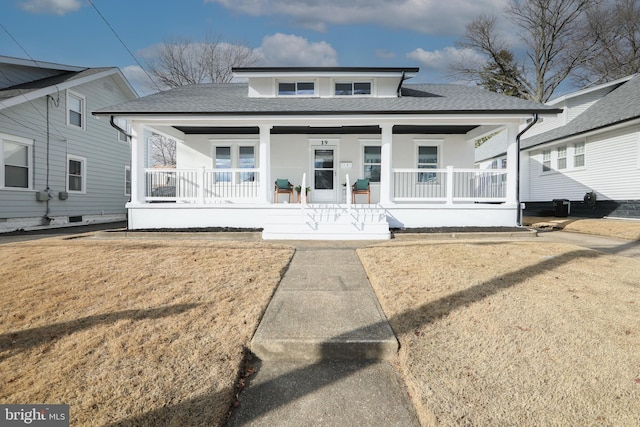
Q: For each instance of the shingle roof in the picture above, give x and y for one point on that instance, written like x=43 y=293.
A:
x=620 y=105
x=232 y=98
x=25 y=88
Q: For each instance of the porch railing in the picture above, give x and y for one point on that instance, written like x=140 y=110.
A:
x=201 y=185
x=449 y=185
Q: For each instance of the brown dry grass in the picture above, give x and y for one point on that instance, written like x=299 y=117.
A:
x=623 y=229
x=131 y=332
x=514 y=333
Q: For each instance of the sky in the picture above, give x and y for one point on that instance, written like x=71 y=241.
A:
x=348 y=33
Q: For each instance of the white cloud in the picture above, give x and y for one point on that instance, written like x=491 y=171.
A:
x=288 y=50
x=139 y=80
x=440 y=60
x=427 y=16
x=385 y=54
x=56 y=7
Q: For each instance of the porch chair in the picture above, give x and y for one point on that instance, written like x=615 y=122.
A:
x=361 y=186
x=283 y=186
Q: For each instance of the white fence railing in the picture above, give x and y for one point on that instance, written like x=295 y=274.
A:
x=409 y=185
x=449 y=185
x=201 y=185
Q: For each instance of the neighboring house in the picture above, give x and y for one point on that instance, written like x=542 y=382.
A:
x=592 y=148
x=60 y=164
x=323 y=128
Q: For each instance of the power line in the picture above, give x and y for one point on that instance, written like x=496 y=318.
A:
x=123 y=43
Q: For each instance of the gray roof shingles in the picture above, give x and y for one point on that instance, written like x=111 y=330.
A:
x=620 y=105
x=232 y=98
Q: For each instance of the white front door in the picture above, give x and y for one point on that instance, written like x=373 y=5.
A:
x=324 y=175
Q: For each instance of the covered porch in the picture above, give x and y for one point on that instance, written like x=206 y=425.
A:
x=420 y=174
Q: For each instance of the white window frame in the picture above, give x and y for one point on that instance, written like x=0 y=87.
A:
x=120 y=136
x=21 y=141
x=235 y=157
x=83 y=175
x=127 y=172
x=546 y=168
x=428 y=143
x=583 y=144
x=83 y=107
x=370 y=143
x=352 y=83
x=296 y=83
x=562 y=149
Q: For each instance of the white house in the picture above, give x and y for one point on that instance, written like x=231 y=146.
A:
x=323 y=128
x=59 y=164
x=592 y=148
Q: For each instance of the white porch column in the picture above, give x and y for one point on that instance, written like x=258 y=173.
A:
x=137 y=164
x=386 y=166
x=265 y=163
x=512 y=167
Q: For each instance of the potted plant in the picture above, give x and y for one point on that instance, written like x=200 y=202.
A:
x=299 y=190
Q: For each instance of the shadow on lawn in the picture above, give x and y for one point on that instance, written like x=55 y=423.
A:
x=305 y=380
x=14 y=342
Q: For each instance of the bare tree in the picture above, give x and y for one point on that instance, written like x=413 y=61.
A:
x=615 y=28
x=180 y=61
x=163 y=150
x=553 y=44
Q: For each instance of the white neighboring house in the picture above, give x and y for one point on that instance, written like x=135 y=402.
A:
x=592 y=147
x=59 y=164
x=323 y=128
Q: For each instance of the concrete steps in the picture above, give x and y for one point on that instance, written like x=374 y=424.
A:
x=328 y=222
x=324 y=309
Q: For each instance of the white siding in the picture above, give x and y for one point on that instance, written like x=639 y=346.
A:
x=612 y=169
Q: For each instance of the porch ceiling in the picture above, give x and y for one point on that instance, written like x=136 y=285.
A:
x=340 y=130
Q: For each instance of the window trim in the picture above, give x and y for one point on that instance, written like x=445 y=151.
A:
x=583 y=154
x=546 y=169
x=559 y=158
x=235 y=156
x=83 y=107
x=352 y=83
x=124 y=124
x=370 y=143
x=296 y=82
x=29 y=143
x=438 y=143
x=83 y=161
x=127 y=170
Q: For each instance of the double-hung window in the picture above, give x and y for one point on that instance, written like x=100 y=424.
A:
x=124 y=125
x=296 y=88
x=562 y=157
x=237 y=156
x=16 y=162
x=578 y=155
x=546 y=160
x=372 y=162
x=76 y=110
x=427 y=159
x=76 y=174
x=127 y=180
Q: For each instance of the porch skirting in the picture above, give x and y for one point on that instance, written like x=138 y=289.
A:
x=414 y=215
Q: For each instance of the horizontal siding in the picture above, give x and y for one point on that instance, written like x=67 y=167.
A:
x=105 y=156
x=612 y=170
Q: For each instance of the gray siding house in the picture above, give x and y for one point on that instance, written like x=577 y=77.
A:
x=60 y=164
x=590 y=149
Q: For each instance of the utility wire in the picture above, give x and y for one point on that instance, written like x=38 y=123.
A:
x=123 y=43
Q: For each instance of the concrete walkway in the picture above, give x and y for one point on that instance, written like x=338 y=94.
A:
x=324 y=346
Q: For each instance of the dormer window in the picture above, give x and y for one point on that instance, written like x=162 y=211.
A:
x=352 y=88
x=296 y=89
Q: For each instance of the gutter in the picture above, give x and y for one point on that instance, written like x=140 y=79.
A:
x=519 y=216
x=399 y=89
x=114 y=125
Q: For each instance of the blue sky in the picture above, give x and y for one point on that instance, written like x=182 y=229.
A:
x=388 y=33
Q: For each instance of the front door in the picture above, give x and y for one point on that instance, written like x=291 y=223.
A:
x=324 y=174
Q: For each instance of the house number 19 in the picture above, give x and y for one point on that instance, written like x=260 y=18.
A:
x=324 y=142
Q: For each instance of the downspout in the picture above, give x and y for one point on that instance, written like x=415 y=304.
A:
x=519 y=217
x=402 y=79
x=115 y=126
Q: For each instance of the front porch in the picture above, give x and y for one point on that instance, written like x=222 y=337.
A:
x=204 y=198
